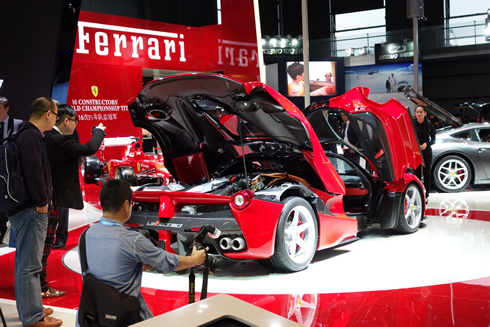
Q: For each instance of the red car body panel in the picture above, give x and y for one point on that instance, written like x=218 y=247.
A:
x=400 y=185
x=259 y=229
x=405 y=151
x=333 y=230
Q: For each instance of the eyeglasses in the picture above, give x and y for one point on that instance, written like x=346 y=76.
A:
x=57 y=117
x=74 y=119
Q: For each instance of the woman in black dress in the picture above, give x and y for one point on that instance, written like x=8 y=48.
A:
x=426 y=134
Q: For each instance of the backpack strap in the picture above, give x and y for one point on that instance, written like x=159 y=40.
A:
x=83 y=255
x=10 y=127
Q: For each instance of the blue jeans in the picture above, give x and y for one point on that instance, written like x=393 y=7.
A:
x=30 y=229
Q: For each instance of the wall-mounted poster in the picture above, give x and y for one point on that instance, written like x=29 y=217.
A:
x=322 y=78
x=384 y=81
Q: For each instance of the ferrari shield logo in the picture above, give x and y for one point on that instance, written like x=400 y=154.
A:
x=139 y=166
x=95 y=90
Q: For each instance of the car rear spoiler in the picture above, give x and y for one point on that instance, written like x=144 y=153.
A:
x=441 y=114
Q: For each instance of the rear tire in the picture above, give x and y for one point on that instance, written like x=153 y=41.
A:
x=90 y=169
x=126 y=173
x=296 y=237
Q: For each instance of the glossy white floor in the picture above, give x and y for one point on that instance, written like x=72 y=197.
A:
x=448 y=248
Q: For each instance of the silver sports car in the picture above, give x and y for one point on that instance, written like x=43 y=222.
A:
x=461 y=154
x=461 y=157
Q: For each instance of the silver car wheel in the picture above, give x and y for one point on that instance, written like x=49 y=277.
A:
x=413 y=206
x=300 y=234
x=453 y=174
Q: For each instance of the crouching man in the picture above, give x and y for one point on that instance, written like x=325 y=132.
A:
x=117 y=256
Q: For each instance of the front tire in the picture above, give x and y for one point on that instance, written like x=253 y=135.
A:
x=126 y=173
x=411 y=210
x=452 y=174
x=296 y=237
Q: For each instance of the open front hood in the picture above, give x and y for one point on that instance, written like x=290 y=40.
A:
x=385 y=132
x=433 y=109
x=211 y=115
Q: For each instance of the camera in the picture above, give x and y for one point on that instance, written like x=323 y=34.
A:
x=206 y=230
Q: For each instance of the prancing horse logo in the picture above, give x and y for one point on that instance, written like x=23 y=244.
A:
x=95 y=90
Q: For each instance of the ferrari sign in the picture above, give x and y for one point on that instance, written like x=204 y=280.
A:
x=114 y=40
x=95 y=90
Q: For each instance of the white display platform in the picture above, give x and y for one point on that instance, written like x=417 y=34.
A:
x=212 y=309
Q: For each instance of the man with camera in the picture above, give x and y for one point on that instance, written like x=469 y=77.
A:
x=117 y=256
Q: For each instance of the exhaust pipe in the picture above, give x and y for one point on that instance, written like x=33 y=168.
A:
x=225 y=243
x=238 y=244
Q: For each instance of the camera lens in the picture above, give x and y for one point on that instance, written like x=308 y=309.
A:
x=211 y=263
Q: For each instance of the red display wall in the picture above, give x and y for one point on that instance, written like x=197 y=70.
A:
x=111 y=52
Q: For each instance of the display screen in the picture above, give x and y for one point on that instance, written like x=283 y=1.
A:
x=322 y=78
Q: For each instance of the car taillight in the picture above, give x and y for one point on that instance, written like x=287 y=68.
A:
x=242 y=199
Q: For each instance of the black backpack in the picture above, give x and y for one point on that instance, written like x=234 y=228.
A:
x=12 y=185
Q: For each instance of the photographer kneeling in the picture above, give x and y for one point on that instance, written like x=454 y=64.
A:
x=117 y=256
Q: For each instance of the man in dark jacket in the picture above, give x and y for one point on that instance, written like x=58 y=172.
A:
x=30 y=220
x=8 y=127
x=63 y=153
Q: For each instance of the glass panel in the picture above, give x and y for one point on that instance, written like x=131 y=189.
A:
x=484 y=135
x=462 y=136
x=360 y=19
x=467 y=7
x=373 y=32
x=465 y=21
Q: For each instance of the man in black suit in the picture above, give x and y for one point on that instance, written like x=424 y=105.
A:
x=8 y=128
x=351 y=138
x=63 y=153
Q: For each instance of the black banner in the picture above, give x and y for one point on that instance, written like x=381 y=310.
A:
x=390 y=53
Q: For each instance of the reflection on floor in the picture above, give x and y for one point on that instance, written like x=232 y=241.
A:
x=439 y=276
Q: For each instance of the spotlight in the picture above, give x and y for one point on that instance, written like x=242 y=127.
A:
x=289 y=38
x=267 y=38
x=349 y=51
x=1 y=82
x=363 y=51
x=300 y=38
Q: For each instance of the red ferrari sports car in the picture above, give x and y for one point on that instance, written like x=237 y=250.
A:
x=249 y=163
